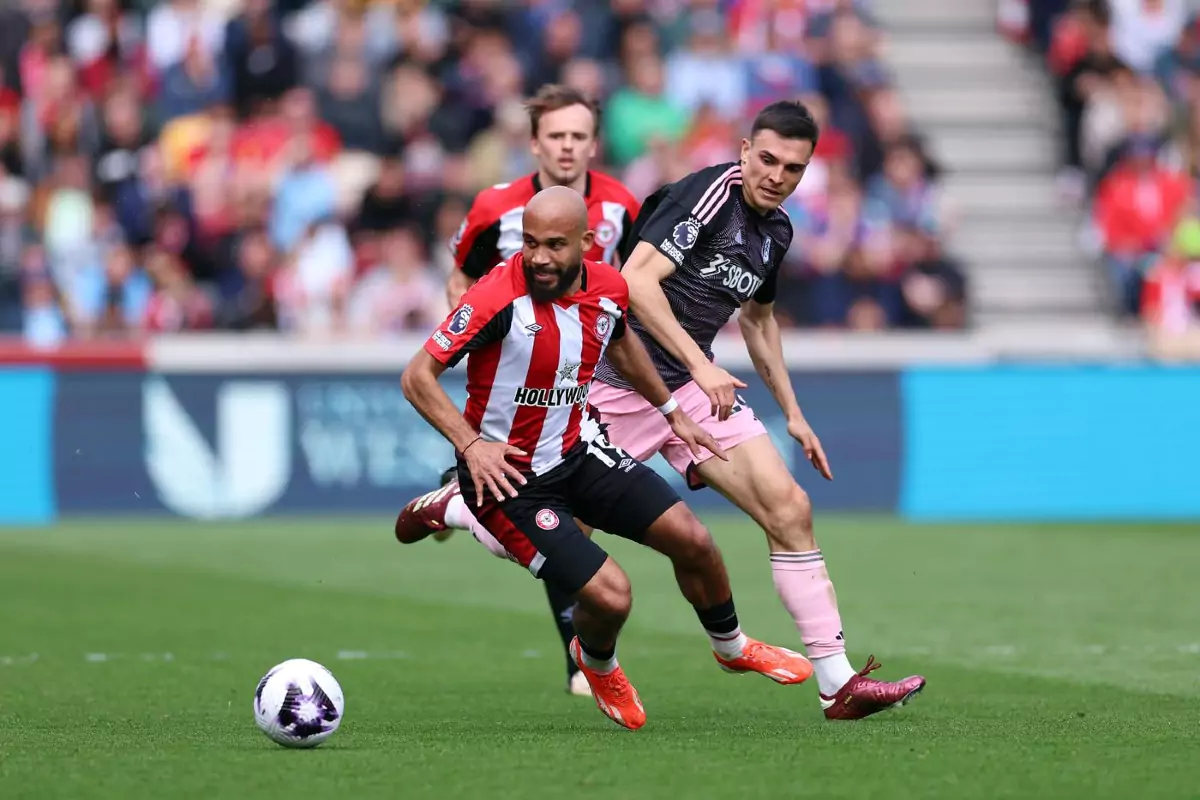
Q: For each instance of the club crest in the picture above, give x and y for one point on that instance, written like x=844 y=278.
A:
x=606 y=233
x=603 y=327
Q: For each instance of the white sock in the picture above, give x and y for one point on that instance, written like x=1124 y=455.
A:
x=596 y=665
x=458 y=516
x=833 y=672
x=728 y=645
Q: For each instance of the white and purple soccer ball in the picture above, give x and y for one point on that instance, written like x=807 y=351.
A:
x=298 y=703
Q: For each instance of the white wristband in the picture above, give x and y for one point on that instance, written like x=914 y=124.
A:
x=669 y=406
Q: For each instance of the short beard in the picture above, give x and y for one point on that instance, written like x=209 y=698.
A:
x=540 y=294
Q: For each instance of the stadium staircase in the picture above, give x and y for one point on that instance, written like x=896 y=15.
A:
x=990 y=119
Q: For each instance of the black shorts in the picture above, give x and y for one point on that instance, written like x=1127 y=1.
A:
x=599 y=484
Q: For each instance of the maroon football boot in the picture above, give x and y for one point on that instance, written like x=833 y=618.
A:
x=426 y=515
x=863 y=696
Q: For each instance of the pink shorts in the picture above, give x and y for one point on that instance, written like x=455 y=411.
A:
x=639 y=429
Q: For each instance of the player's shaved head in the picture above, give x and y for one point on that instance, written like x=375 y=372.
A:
x=558 y=206
x=556 y=236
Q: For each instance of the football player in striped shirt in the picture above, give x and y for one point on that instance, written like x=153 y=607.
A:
x=564 y=125
x=532 y=459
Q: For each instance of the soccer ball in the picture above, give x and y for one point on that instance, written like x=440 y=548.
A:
x=298 y=703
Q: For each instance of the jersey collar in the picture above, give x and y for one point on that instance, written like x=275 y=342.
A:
x=587 y=186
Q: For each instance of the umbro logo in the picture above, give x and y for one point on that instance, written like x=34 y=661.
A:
x=533 y=329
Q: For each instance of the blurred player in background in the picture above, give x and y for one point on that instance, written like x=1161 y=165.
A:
x=703 y=248
x=564 y=124
x=531 y=458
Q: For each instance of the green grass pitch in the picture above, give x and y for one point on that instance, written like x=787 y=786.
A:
x=1063 y=661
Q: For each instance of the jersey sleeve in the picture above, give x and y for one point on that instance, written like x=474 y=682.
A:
x=475 y=245
x=619 y=326
x=677 y=217
x=616 y=304
x=770 y=286
x=482 y=318
x=672 y=229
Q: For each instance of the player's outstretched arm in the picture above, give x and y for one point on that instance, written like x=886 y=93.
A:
x=421 y=388
x=764 y=343
x=628 y=355
x=645 y=271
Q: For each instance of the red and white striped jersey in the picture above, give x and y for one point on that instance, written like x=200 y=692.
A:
x=491 y=231
x=529 y=364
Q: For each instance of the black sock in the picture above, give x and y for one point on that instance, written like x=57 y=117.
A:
x=599 y=655
x=561 y=604
x=721 y=618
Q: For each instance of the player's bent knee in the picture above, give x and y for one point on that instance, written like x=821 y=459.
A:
x=680 y=536
x=608 y=593
x=697 y=545
x=788 y=519
x=795 y=507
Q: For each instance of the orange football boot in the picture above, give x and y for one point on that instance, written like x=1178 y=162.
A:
x=615 y=696
x=777 y=663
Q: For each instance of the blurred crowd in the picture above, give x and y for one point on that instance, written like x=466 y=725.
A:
x=295 y=165
x=1128 y=76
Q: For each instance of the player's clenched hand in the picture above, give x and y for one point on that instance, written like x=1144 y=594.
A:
x=488 y=464
x=695 y=437
x=802 y=433
x=719 y=386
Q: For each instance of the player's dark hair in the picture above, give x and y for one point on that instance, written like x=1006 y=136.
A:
x=556 y=96
x=791 y=119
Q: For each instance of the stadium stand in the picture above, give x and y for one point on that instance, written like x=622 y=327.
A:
x=1126 y=76
x=249 y=164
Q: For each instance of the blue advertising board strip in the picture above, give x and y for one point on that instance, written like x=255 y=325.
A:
x=1040 y=443
x=99 y=460
x=26 y=468
x=857 y=417
x=1047 y=443
x=221 y=447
